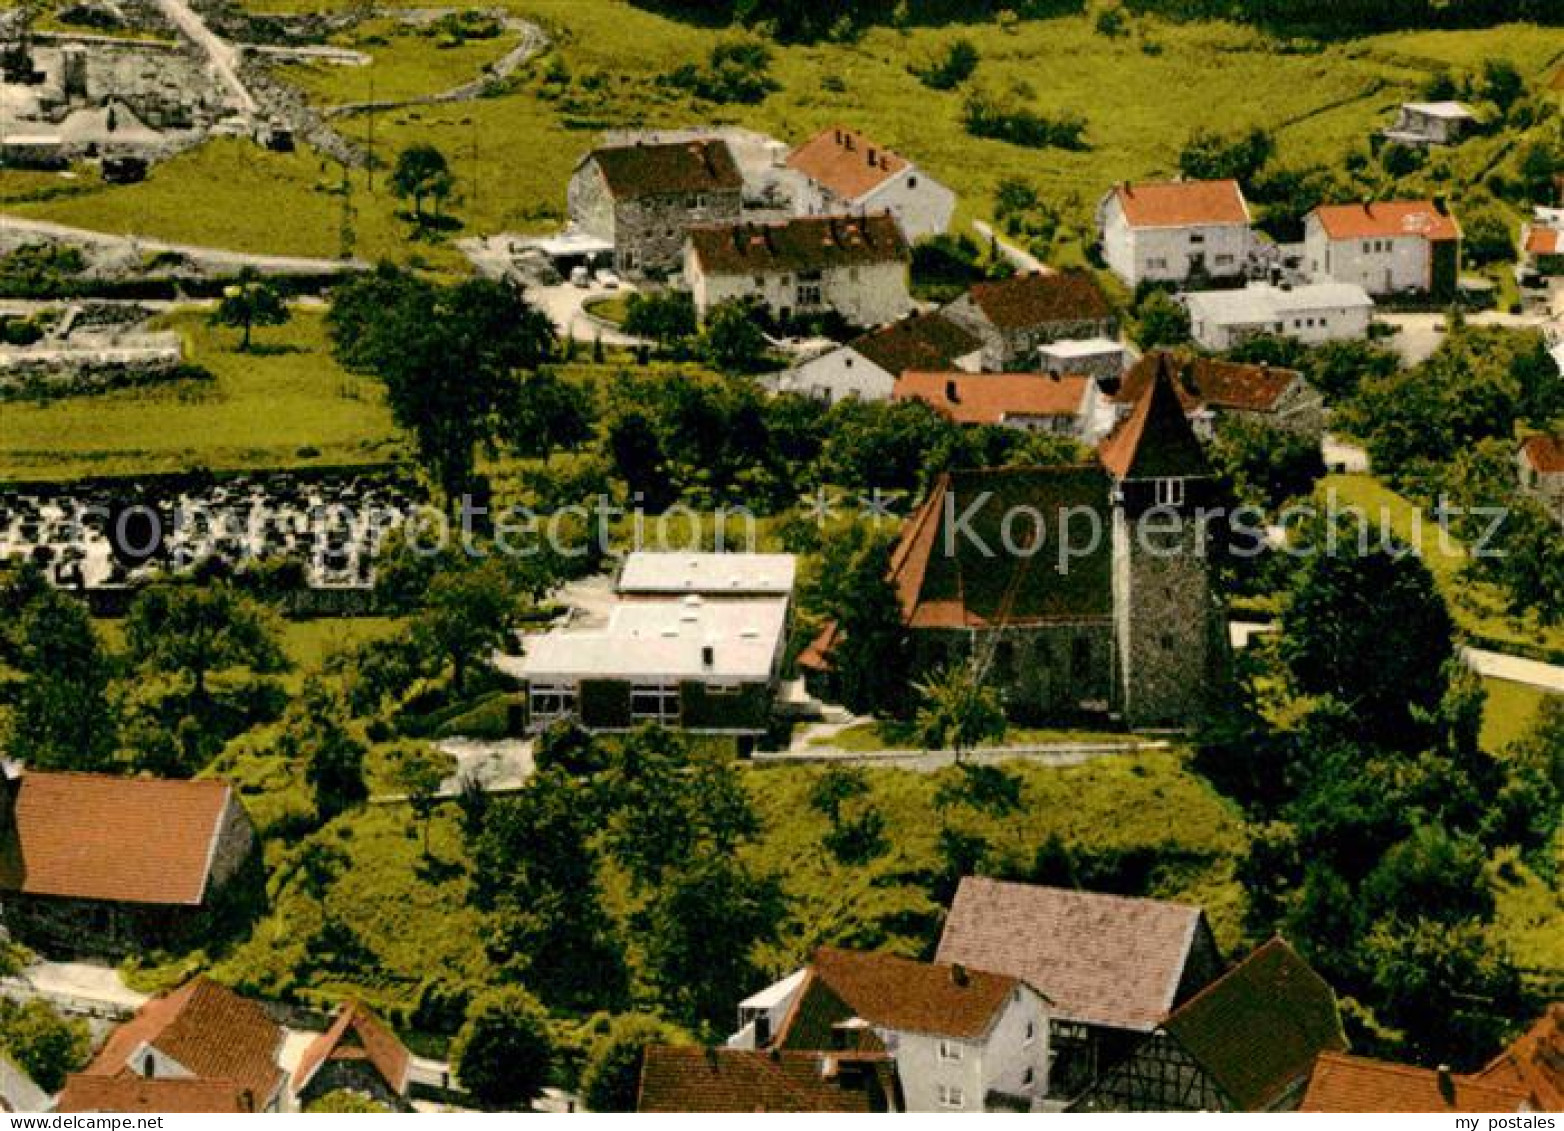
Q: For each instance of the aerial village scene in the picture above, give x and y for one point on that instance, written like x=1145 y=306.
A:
x=797 y=556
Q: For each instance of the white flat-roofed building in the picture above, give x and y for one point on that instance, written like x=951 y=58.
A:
x=713 y=575
x=1102 y=358
x=1319 y=312
x=1431 y=123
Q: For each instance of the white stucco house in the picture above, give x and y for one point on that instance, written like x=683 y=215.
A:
x=1172 y=231
x=1318 y=312
x=1387 y=247
x=867 y=368
x=962 y=1040
x=853 y=266
x=847 y=172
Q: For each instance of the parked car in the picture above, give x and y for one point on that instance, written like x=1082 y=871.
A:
x=608 y=280
x=580 y=277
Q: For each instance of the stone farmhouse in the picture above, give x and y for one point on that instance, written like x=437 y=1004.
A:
x=867 y=368
x=1069 y=406
x=1431 y=123
x=1343 y=1083
x=1056 y=580
x=676 y=1081
x=1015 y=317
x=1540 y=463
x=1111 y=968
x=95 y=864
x=855 y=267
x=642 y=199
x=1312 y=314
x=1247 y=1042
x=201 y=1044
x=847 y=172
x=356 y=1053
x=961 y=1039
x=691 y=640
x=1211 y=389
x=1388 y=247
x=1175 y=232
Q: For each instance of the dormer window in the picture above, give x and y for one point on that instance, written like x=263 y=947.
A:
x=1170 y=492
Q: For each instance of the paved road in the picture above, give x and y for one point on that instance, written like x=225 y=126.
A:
x=223 y=56
x=218 y=257
x=1421 y=334
x=1532 y=673
x=1020 y=257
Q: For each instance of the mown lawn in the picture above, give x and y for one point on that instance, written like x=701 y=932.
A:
x=286 y=403
x=1509 y=713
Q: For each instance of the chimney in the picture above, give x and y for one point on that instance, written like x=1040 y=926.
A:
x=952 y=393
x=958 y=974
x=1446 y=1083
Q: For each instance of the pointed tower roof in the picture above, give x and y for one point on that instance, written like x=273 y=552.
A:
x=1155 y=441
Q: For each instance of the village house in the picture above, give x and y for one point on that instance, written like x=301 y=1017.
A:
x=676 y=1081
x=1247 y=1042
x=356 y=1053
x=1015 y=317
x=1542 y=244
x=1343 y=1083
x=95 y=864
x=1540 y=463
x=640 y=200
x=1111 y=968
x=847 y=172
x=1033 y=402
x=1081 y=609
x=1175 y=232
x=867 y=368
x=1211 y=389
x=1312 y=314
x=1431 y=123
x=200 y=1034
x=1387 y=247
x=1534 y=1063
x=684 y=646
x=1102 y=359
x=962 y=1039
x=855 y=267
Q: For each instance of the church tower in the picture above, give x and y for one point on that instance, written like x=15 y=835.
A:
x=1168 y=627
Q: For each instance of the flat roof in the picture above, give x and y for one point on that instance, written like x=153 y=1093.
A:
x=1440 y=109
x=1082 y=347
x=1265 y=303
x=652 y=640
x=573 y=243
x=714 y=574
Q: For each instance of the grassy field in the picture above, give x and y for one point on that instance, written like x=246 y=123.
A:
x=287 y=403
x=406 y=64
x=1509 y=713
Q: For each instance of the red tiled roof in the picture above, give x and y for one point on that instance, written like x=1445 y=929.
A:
x=676 y=1080
x=1257 y=1030
x=1155 y=441
x=889 y=992
x=846 y=162
x=126 y=840
x=1177 y=204
x=632 y=171
x=357 y=1034
x=992 y=398
x=1208 y=381
x=1545 y=453
x=1344 y=1083
x=1544 y=241
x=84 y=1094
x=923 y=341
x=1387 y=218
x=1024 y=302
x=805 y=243
x=1534 y=1064
x=207 y=1028
x=1101 y=959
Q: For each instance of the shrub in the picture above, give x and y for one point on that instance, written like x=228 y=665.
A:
x=1006 y=117
x=738 y=70
x=951 y=67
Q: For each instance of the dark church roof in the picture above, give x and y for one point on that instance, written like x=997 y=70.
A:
x=1155 y=441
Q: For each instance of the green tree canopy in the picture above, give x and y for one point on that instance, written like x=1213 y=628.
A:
x=503 y=1054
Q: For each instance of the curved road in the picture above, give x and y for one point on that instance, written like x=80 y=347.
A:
x=224 y=57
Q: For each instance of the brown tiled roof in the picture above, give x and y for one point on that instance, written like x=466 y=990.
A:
x=84 y=1093
x=846 y=162
x=992 y=398
x=1557 y=81
x=889 y=992
x=1344 y=1083
x=126 y=840
x=1534 y=1064
x=923 y=341
x=1209 y=382
x=805 y=243
x=1387 y=218
x=676 y=1080
x=1155 y=441
x=659 y=169
x=948 y=580
x=207 y=1028
x=1177 y=204
x=1257 y=1030
x=1545 y=453
x=1101 y=959
x=357 y=1034
x=1024 y=302
x=1544 y=241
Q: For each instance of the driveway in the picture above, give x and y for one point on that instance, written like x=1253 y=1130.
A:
x=1019 y=257
x=1515 y=669
x=564 y=303
x=1420 y=334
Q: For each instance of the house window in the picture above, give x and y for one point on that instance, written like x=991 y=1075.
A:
x=912 y=182
x=1367 y=246
x=809 y=294
x=760 y=282
x=1031 y=1033
x=949 y=1050
x=1156 y=262
x=656 y=703
x=1197 y=237
x=724 y=688
x=1224 y=261
x=1170 y=492
x=1028 y=1076
x=951 y=1096
x=553 y=701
